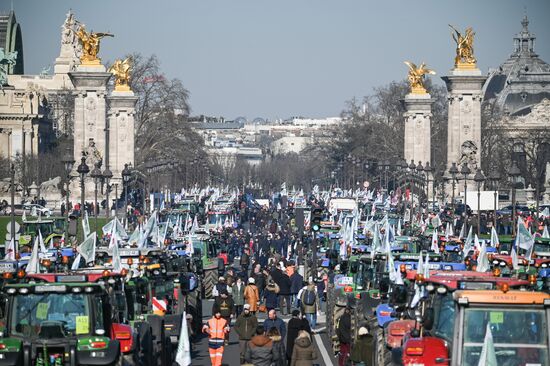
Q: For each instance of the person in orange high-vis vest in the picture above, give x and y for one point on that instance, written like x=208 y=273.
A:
x=216 y=328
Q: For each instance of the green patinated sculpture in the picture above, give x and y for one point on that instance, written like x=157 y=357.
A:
x=6 y=60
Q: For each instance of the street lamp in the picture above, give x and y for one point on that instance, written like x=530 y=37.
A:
x=12 y=213
x=96 y=176
x=107 y=175
x=68 y=163
x=82 y=170
x=428 y=170
x=126 y=173
x=412 y=167
x=465 y=171
x=494 y=178
x=514 y=174
x=453 y=171
x=479 y=178
x=419 y=170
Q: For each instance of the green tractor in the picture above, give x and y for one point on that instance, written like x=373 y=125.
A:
x=50 y=228
x=208 y=263
x=53 y=320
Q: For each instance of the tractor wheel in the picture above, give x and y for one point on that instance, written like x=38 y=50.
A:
x=210 y=280
x=157 y=331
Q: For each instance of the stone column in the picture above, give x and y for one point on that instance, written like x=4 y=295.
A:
x=121 y=131
x=90 y=108
x=90 y=116
x=464 y=120
x=418 y=127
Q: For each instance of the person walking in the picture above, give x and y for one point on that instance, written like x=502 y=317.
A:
x=295 y=325
x=310 y=304
x=251 y=295
x=274 y=321
x=283 y=281
x=216 y=328
x=362 y=352
x=245 y=326
x=303 y=353
x=259 y=350
x=224 y=305
x=296 y=283
x=279 y=353
x=271 y=295
x=343 y=331
x=237 y=291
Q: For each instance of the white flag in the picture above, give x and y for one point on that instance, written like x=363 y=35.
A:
x=113 y=244
x=482 y=260
x=435 y=246
x=494 y=238
x=183 y=355
x=33 y=266
x=86 y=225
x=468 y=243
x=488 y=356
x=10 y=251
x=545 y=234
x=514 y=256
x=524 y=239
x=87 y=248
x=41 y=243
x=76 y=262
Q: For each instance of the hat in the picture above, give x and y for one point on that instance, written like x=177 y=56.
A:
x=221 y=278
x=246 y=307
x=251 y=280
x=363 y=331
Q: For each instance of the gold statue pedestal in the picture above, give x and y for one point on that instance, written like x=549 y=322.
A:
x=122 y=88
x=418 y=90
x=465 y=66
x=92 y=63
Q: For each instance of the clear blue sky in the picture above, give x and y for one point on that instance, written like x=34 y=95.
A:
x=275 y=59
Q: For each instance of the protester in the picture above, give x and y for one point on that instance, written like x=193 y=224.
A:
x=271 y=295
x=343 y=331
x=245 y=326
x=303 y=352
x=259 y=350
x=237 y=292
x=216 y=328
x=274 y=321
x=279 y=353
x=296 y=283
x=224 y=305
x=220 y=286
x=363 y=348
x=295 y=325
x=310 y=304
x=283 y=281
x=251 y=295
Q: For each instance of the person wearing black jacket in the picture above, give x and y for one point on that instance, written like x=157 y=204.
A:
x=296 y=284
x=295 y=325
x=343 y=332
x=226 y=307
x=283 y=281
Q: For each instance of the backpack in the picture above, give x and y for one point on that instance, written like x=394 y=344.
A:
x=309 y=297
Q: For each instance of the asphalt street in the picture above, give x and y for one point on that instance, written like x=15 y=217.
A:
x=200 y=355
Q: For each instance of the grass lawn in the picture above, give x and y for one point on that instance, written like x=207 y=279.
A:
x=101 y=221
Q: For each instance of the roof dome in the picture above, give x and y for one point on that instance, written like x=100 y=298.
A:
x=522 y=80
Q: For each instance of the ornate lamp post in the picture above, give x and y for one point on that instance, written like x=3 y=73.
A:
x=107 y=175
x=12 y=204
x=412 y=168
x=126 y=173
x=479 y=178
x=82 y=170
x=514 y=174
x=68 y=163
x=494 y=178
x=96 y=176
x=465 y=171
x=453 y=171
x=419 y=172
x=428 y=170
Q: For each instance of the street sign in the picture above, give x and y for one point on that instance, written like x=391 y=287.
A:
x=17 y=227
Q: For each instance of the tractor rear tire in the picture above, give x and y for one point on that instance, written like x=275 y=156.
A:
x=210 y=280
